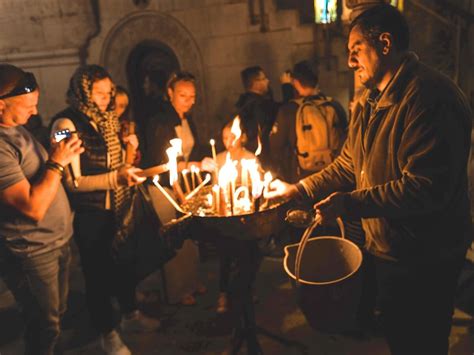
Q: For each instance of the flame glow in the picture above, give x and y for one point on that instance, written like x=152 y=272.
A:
x=235 y=129
x=259 y=147
x=241 y=186
x=177 y=144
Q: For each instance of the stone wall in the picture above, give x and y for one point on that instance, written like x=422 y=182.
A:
x=45 y=37
x=214 y=39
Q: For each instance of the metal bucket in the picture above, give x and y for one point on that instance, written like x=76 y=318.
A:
x=325 y=273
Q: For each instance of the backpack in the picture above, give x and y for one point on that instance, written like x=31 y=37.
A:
x=320 y=133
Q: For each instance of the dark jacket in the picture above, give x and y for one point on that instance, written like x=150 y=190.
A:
x=158 y=133
x=93 y=160
x=404 y=168
x=256 y=111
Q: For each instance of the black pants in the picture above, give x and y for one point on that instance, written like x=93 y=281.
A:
x=40 y=285
x=416 y=304
x=104 y=276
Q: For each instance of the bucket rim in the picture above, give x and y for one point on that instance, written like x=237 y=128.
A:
x=305 y=282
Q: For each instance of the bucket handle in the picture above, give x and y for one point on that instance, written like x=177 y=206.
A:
x=304 y=240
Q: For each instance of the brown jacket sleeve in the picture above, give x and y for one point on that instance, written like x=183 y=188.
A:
x=434 y=148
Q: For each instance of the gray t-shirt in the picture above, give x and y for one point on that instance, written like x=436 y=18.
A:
x=21 y=156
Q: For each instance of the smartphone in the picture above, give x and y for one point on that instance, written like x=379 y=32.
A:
x=62 y=134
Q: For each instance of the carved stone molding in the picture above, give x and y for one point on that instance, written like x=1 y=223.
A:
x=142 y=26
x=52 y=58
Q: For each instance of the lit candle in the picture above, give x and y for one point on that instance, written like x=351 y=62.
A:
x=231 y=198
x=166 y=194
x=244 y=172
x=216 y=198
x=267 y=179
x=213 y=147
x=214 y=157
x=186 y=181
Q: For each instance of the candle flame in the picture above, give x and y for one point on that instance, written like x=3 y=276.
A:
x=259 y=147
x=235 y=129
x=212 y=141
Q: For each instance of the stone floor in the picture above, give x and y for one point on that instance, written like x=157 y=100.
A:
x=199 y=330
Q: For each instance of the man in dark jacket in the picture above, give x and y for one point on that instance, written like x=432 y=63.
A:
x=256 y=108
x=403 y=170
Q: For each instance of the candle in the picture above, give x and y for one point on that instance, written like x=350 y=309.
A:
x=216 y=198
x=244 y=172
x=231 y=198
x=196 y=190
x=213 y=147
x=178 y=191
x=214 y=157
x=198 y=175
x=186 y=181
x=267 y=179
x=165 y=193
x=193 y=178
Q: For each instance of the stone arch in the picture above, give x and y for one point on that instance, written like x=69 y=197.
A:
x=143 y=26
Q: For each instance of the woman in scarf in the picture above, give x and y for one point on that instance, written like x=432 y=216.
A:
x=99 y=188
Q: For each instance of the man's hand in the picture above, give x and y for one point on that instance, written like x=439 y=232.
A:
x=278 y=188
x=64 y=151
x=127 y=176
x=331 y=207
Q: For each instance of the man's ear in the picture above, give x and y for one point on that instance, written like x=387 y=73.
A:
x=2 y=106
x=386 y=41
x=170 y=93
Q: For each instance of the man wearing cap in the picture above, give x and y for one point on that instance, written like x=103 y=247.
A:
x=35 y=217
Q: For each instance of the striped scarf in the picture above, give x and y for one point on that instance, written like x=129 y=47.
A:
x=79 y=97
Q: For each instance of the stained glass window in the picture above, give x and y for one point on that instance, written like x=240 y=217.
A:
x=325 y=11
x=397 y=3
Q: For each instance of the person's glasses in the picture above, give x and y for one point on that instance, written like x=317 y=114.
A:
x=24 y=86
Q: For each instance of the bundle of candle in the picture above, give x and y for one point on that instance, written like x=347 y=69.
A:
x=238 y=187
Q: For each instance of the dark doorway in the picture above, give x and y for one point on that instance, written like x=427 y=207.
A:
x=149 y=65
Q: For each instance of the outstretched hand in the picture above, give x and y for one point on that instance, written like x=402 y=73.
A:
x=279 y=188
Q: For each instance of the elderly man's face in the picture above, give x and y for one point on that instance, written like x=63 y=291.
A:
x=364 y=58
x=16 y=110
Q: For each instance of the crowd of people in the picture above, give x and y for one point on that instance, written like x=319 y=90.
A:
x=398 y=166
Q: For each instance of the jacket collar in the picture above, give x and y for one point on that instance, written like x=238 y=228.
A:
x=394 y=89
